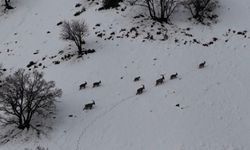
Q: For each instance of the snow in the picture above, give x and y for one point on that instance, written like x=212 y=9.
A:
x=214 y=101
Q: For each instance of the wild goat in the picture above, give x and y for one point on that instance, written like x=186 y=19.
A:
x=202 y=65
x=140 y=90
x=173 y=76
x=96 y=84
x=83 y=86
x=89 y=105
x=137 y=78
x=160 y=81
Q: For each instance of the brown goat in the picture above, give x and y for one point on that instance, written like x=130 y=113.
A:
x=202 y=65
x=159 y=81
x=173 y=76
x=83 y=86
x=137 y=79
x=96 y=84
x=89 y=105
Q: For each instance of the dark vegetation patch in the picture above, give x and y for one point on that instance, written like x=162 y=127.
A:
x=59 y=23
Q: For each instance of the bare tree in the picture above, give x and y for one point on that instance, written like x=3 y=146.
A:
x=25 y=95
x=75 y=31
x=200 y=9
x=161 y=10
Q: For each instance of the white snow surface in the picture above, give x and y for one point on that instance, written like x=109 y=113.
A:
x=214 y=112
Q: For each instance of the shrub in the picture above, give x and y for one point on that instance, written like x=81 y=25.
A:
x=161 y=10
x=201 y=9
x=107 y=4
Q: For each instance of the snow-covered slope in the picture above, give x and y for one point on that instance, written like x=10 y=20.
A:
x=213 y=112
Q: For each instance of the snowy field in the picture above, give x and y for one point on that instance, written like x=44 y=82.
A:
x=203 y=109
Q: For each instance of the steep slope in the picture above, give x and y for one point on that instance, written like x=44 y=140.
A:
x=213 y=112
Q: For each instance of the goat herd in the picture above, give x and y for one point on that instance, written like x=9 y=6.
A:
x=140 y=90
x=161 y=80
x=157 y=82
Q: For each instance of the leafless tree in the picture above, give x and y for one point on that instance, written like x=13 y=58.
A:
x=25 y=95
x=161 y=10
x=75 y=31
x=201 y=9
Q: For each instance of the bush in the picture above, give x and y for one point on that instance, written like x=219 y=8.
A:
x=107 y=4
x=159 y=10
x=201 y=9
x=24 y=95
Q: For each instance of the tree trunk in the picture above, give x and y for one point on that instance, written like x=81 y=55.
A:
x=24 y=124
x=79 y=47
x=27 y=124
x=20 y=124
